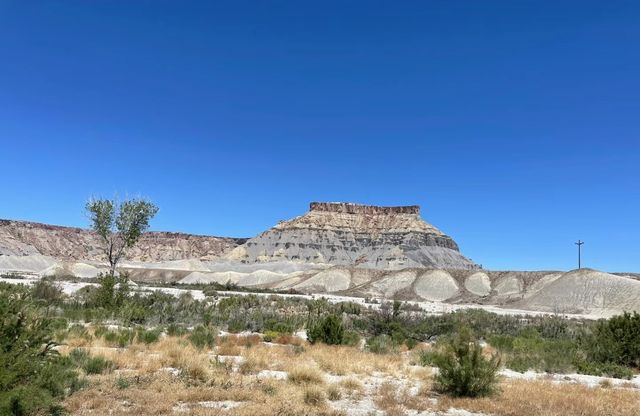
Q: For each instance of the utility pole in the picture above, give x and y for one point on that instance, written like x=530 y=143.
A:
x=579 y=244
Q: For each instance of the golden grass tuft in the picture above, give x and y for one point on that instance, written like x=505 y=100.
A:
x=351 y=385
x=334 y=393
x=305 y=375
x=314 y=396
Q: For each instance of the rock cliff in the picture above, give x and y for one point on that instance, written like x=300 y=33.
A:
x=360 y=235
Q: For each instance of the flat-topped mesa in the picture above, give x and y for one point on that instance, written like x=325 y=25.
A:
x=341 y=233
x=349 y=208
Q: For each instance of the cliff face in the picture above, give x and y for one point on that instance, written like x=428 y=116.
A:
x=21 y=238
x=361 y=235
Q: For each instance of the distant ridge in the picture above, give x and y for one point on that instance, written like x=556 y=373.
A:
x=72 y=243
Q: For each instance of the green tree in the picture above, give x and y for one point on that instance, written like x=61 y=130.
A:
x=463 y=370
x=119 y=225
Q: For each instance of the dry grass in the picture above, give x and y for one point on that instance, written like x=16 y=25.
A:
x=240 y=340
x=289 y=340
x=343 y=360
x=395 y=400
x=151 y=389
x=314 y=396
x=351 y=385
x=333 y=392
x=305 y=375
x=543 y=398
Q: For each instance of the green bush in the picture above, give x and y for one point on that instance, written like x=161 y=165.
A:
x=328 y=330
x=174 y=330
x=148 y=336
x=119 y=338
x=202 y=337
x=112 y=291
x=34 y=377
x=530 y=351
x=122 y=383
x=615 y=341
x=426 y=358
x=603 y=369
x=97 y=365
x=463 y=371
x=47 y=292
x=269 y=336
x=410 y=343
x=351 y=338
x=79 y=331
x=79 y=357
x=381 y=344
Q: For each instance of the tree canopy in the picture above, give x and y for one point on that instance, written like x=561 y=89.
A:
x=119 y=225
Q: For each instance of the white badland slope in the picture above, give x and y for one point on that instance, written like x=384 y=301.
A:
x=586 y=291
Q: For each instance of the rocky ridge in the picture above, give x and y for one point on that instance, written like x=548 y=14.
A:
x=23 y=238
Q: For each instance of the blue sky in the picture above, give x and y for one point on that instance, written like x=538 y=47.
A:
x=514 y=124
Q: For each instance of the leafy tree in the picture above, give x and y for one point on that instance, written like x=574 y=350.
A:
x=33 y=376
x=119 y=226
x=463 y=370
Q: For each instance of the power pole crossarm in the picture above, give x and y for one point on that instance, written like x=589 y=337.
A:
x=579 y=244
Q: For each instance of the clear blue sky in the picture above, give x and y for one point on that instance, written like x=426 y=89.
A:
x=515 y=125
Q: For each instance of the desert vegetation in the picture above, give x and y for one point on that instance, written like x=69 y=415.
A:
x=107 y=348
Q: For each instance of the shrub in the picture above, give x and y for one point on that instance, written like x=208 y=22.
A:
x=112 y=291
x=148 y=336
x=47 y=292
x=203 y=337
x=119 y=338
x=381 y=344
x=33 y=376
x=464 y=372
x=615 y=341
x=79 y=331
x=427 y=358
x=269 y=336
x=79 y=357
x=328 y=330
x=351 y=338
x=97 y=365
x=530 y=350
x=604 y=369
x=122 y=383
x=410 y=343
x=174 y=330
